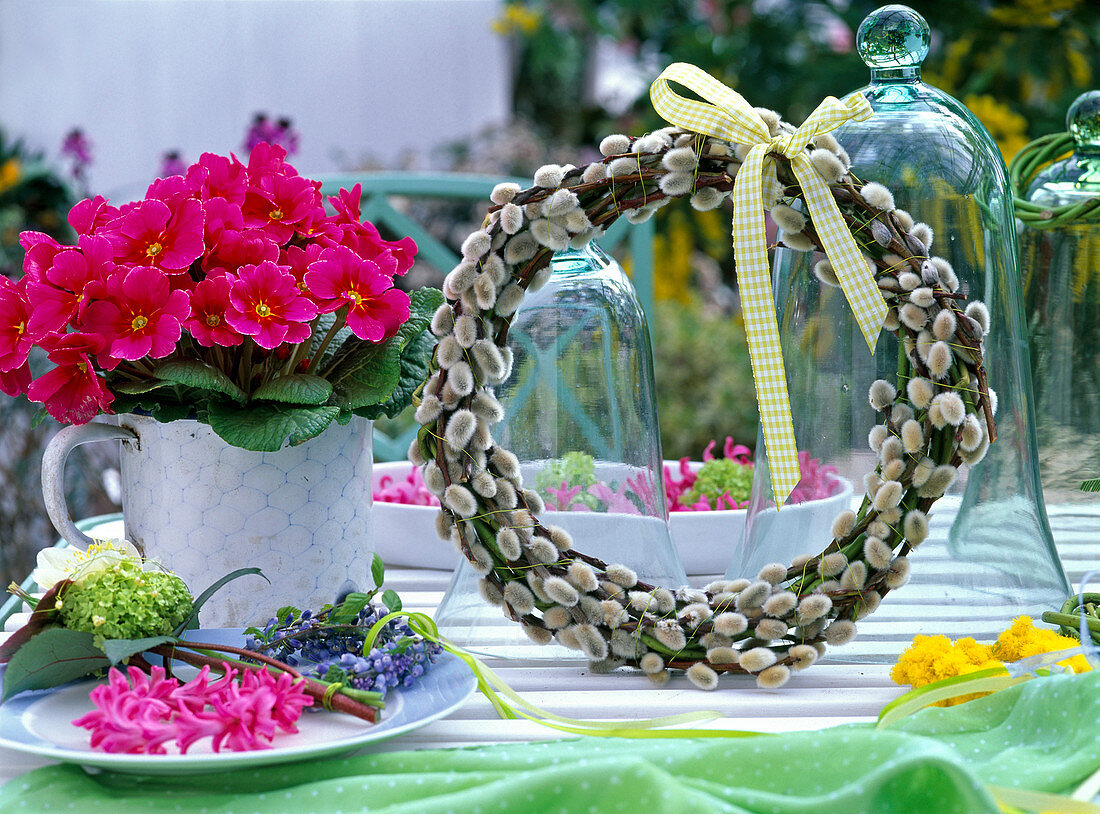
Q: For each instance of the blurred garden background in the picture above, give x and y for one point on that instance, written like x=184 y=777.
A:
x=102 y=96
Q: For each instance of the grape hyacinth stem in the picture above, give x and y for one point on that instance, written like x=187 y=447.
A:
x=340 y=701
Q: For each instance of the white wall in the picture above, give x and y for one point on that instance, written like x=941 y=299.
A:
x=358 y=77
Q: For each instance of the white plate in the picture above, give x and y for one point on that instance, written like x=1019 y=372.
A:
x=40 y=723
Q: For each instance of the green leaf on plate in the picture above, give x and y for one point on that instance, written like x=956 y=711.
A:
x=192 y=620
x=297 y=388
x=118 y=650
x=54 y=656
x=346 y=611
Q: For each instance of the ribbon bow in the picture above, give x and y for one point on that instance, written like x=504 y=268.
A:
x=732 y=118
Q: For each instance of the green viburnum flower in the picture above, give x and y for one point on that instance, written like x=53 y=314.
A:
x=125 y=602
x=717 y=477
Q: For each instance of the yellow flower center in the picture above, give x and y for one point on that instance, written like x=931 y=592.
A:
x=139 y=322
x=276 y=214
x=153 y=250
x=354 y=296
x=21 y=328
x=262 y=310
x=213 y=320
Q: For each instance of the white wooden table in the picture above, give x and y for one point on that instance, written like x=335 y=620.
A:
x=836 y=690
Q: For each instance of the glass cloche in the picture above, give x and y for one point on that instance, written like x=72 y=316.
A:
x=990 y=555
x=1060 y=266
x=581 y=415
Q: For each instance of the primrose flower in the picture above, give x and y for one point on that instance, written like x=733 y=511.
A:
x=280 y=204
x=59 y=294
x=151 y=233
x=394 y=257
x=266 y=304
x=139 y=311
x=39 y=251
x=375 y=308
x=15 y=316
x=218 y=176
x=91 y=215
x=57 y=564
x=207 y=321
x=71 y=391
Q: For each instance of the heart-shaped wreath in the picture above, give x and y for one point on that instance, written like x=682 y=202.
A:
x=937 y=416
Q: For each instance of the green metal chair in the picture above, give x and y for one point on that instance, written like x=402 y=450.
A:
x=378 y=206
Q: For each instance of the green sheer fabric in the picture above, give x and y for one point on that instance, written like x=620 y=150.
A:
x=1041 y=735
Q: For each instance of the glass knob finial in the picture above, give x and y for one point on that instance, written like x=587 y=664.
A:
x=893 y=36
x=1083 y=121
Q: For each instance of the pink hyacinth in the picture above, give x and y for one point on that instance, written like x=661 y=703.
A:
x=237 y=712
x=818 y=480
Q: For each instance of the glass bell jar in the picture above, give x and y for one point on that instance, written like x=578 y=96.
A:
x=989 y=555
x=581 y=416
x=1060 y=265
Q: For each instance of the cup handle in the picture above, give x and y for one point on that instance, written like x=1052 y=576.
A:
x=53 y=472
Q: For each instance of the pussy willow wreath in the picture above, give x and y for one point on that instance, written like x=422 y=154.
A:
x=938 y=416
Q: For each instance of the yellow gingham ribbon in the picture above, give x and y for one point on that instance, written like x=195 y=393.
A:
x=732 y=119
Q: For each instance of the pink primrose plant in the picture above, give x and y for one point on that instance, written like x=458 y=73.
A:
x=225 y=279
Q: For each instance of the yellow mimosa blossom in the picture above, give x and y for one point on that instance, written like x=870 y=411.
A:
x=1023 y=639
x=934 y=658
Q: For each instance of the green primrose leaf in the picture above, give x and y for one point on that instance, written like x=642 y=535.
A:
x=297 y=388
x=118 y=650
x=192 y=621
x=414 y=366
x=54 y=656
x=366 y=375
x=201 y=376
x=266 y=427
x=136 y=388
x=363 y=374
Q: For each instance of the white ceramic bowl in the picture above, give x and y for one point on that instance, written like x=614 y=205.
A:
x=405 y=534
x=706 y=541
